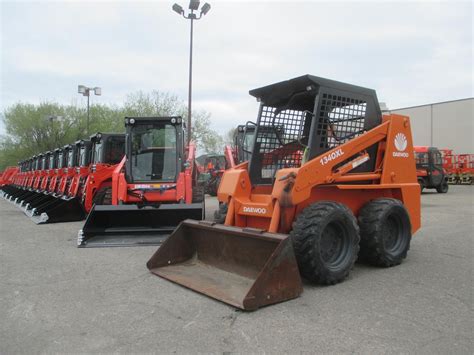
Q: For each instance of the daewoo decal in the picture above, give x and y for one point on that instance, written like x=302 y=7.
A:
x=400 y=143
x=257 y=210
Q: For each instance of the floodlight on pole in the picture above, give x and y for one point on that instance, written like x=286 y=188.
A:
x=193 y=6
x=85 y=91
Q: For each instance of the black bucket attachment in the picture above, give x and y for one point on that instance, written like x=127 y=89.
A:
x=34 y=200
x=17 y=196
x=129 y=225
x=244 y=267
x=58 y=210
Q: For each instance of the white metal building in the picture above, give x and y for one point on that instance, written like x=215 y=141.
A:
x=448 y=124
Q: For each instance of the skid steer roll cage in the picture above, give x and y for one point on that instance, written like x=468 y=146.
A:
x=302 y=118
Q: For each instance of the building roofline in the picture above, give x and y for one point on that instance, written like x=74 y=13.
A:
x=431 y=104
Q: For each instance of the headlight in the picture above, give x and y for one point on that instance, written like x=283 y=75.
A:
x=179 y=120
x=173 y=120
x=132 y=121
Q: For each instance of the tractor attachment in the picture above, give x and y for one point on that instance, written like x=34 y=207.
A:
x=128 y=225
x=245 y=267
x=57 y=210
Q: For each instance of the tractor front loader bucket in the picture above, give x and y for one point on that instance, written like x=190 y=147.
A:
x=34 y=200
x=129 y=225
x=58 y=210
x=18 y=197
x=244 y=267
x=9 y=190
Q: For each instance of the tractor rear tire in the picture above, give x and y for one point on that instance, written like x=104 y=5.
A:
x=385 y=232
x=198 y=193
x=443 y=188
x=326 y=239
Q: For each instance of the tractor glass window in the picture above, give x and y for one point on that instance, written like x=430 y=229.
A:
x=115 y=150
x=51 y=161
x=421 y=159
x=247 y=144
x=44 y=163
x=70 y=158
x=83 y=156
x=154 y=154
x=98 y=152
x=437 y=159
x=60 y=160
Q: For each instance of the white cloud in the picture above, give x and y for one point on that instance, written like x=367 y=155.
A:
x=411 y=52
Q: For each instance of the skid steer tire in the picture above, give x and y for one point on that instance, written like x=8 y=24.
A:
x=221 y=213
x=198 y=193
x=326 y=239
x=103 y=196
x=385 y=232
x=443 y=188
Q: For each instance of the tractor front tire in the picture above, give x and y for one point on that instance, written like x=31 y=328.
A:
x=421 y=182
x=326 y=239
x=385 y=232
x=443 y=188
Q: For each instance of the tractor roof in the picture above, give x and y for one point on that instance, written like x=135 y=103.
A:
x=278 y=94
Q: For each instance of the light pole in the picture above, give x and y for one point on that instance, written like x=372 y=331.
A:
x=85 y=91
x=193 y=6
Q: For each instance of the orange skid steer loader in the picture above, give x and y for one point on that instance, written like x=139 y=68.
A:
x=329 y=180
x=153 y=188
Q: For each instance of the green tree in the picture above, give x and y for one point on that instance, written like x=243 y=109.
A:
x=32 y=129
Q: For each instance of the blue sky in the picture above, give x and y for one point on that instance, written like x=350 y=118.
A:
x=410 y=52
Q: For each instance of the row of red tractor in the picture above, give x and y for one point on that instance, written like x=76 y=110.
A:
x=459 y=167
x=64 y=184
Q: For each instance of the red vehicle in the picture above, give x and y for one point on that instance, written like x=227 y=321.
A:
x=429 y=169
x=108 y=150
x=153 y=188
x=466 y=168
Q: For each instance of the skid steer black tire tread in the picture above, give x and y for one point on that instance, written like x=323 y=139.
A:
x=198 y=193
x=310 y=223
x=221 y=213
x=442 y=188
x=371 y=219
x=103 y=196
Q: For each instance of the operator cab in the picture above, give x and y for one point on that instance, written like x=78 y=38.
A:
x=60 y=160
x=243 y=141
x=107 y=148
x=155 y=148
x=83 y=148
x=429 y=168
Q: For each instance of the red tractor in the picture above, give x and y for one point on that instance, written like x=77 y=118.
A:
x=429 y=169
x=153 y=188
x=108 y=150
x=466 y=168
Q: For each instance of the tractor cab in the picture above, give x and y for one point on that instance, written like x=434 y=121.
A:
x=429 y=169
x=155 y=149
x=83 y=148
x=107 y=148
x=243 y=142
x=53 y=160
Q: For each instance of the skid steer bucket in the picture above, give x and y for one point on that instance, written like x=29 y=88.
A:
x=57 y=210
x=128 y=225
x=244 y=267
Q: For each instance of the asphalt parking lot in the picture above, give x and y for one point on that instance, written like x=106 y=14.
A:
x=57 y=298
